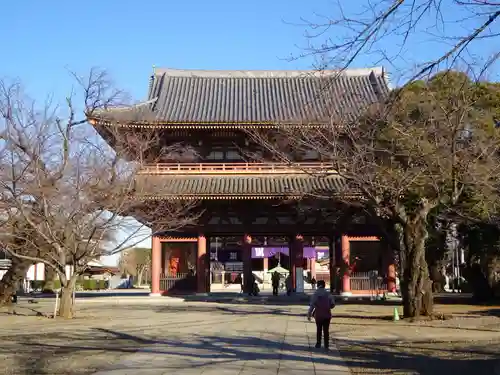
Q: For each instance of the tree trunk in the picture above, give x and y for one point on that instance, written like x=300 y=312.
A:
x=139 y=277
x=492 y=268
x=66 y=300
x=437 y=277
x=11 y=280
x=416 y=286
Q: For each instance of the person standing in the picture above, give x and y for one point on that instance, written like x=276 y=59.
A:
x=288 y=285
x=275 y=280
x=322 y=303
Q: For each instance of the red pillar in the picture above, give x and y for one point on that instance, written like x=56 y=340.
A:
x=246 y=249
x=312 y=263
x=391 y=277
x=201 y=265
x=346 y=254
x=291 y=254
x=155 y=266
x=296 y=257
x=332 y=261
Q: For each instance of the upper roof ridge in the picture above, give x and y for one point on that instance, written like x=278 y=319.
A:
x=266 y=73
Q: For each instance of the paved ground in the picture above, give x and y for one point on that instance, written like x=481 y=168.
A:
x=164 y=339
x=209 y=338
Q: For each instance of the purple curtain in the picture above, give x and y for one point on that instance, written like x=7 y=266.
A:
x=268 y=252
x=309 y=253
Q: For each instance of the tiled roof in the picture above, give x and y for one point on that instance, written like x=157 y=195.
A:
x=244 y=97
x=235 y=187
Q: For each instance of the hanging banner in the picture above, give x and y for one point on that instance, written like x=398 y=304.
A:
x=268 y=252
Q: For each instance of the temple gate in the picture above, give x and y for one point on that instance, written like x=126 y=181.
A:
x=247 y=196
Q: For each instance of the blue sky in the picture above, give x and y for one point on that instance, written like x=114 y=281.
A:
x=127 y=37
x=44 y=40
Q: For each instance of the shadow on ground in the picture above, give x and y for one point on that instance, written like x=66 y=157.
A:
x=137 y=293
x=493 y=311
x=303 y=299
x=195 y=351
x=425 y=358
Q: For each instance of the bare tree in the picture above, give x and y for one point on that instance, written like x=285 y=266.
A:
x=463 y=32
x=136 y=261
x=19 y=267
x=70 y=188
x=432 y=145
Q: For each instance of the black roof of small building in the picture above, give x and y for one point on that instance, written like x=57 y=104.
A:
x=253 y=97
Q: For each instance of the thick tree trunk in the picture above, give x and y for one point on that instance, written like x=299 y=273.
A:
x=416 y=286
x=66 y=300
x=12 y=279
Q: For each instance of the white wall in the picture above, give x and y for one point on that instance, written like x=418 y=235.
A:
x=36 y=272
x=30 y=274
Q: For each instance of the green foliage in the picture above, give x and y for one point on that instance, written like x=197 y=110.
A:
x=135 y=260
x=37 y=284
x=50 y=286
x=481 y=239
x=142 y=255
x=436 y=242
x=89 y=284
x=432 y=140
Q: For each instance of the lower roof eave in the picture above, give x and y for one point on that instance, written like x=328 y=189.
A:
x=243 y=197
x=220 y=197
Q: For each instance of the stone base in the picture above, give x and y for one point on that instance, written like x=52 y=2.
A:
x=155 y=294
x=346 y=294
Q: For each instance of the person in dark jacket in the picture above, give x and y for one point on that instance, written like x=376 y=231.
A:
x=321 y=304
x=275 y=280
x=313 y=283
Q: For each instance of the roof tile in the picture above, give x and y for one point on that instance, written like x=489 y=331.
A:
x=194 y=96
x=237 y=186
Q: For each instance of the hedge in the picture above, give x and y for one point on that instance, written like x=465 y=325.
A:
x=51 y=286
x=37 y=284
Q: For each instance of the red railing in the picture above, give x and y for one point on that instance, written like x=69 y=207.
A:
x=240 y=168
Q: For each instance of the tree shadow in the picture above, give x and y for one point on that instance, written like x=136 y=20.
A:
x=199 y=351
x=389 y=358
x=494 y=311
x=243 y=299
x=21 y=309
x=226 y=310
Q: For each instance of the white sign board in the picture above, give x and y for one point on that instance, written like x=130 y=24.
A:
x=259 y=252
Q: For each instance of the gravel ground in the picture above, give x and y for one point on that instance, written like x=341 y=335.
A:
x=368 y=341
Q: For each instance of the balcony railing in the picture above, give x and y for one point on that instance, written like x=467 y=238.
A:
x=239 y=168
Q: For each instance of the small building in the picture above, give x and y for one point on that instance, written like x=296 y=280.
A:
x=38 y=272
x=257 y=211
